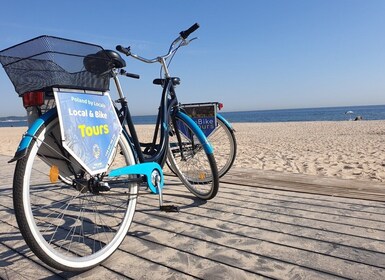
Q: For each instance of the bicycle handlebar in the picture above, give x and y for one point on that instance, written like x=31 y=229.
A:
x=130 y=75
x=123 y=50
x=186 y=33
x=182 y=36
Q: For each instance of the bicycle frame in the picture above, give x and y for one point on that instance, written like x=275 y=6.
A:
x=166 y=106
x=169 y=108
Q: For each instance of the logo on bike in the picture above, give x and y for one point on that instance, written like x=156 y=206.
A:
x=96 y=151
x=90 y=127
x=204 y=115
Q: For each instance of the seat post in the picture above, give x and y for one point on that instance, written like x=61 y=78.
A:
x=117 y=83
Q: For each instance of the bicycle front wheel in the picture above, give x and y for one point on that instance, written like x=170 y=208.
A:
x=225 y=147
x=187 y=158
x=68 y=222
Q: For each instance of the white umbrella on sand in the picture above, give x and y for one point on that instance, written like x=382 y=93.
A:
x=350 y=113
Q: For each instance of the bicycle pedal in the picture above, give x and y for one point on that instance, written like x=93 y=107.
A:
x=169 y=208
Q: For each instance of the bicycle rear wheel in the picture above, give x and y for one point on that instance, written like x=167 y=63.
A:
x=195 y=168
x=69 y=223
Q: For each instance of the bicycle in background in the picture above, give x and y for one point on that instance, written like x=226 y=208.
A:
x=218 y=131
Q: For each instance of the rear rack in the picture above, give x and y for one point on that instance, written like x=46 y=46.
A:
x=47 y=61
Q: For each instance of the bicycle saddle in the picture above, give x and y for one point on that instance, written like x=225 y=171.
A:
x=103 y=61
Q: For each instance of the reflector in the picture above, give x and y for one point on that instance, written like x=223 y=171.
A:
x=33 y=98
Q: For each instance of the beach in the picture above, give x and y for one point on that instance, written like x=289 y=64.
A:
x=263 y=224
x=344 y=149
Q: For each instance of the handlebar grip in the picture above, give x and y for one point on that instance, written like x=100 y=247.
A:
x=131 y=75
x=186 y=33
x=123 y=50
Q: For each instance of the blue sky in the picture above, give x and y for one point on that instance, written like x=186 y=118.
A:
x=251 y=54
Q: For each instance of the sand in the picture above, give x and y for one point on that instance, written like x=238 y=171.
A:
x=346 y=149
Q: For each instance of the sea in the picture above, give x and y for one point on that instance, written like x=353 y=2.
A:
x=372 y=112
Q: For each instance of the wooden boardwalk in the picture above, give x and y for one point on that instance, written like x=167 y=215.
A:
x=261 y=225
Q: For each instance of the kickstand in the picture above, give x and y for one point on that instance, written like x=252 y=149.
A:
x=165 y=208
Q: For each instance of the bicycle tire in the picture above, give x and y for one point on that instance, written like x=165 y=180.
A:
x=193 y=165
x=225 y=147
x=69 y=228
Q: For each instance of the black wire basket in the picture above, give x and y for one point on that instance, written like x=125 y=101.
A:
x=46 y=61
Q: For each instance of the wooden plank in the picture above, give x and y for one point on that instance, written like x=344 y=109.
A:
x=17 y=262
x=241 y=225
x=307 y=184
x=7 y=170
x=272 y=228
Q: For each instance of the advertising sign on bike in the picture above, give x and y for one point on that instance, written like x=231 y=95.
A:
x=204 y=115
x=90 y=127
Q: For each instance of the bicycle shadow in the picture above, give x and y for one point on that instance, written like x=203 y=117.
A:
x=195 y=201
x=13 y=261
x=14 y=253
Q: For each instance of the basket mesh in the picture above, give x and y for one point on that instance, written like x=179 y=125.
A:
x=48 y=61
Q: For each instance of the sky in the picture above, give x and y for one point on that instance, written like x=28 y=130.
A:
x=250 y=55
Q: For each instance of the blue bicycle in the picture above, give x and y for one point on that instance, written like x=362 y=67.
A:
x=80 y=164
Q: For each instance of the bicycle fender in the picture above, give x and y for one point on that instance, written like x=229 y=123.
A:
x=30 y=134
x=199 y=133
x=219 y=116
x=148 y=169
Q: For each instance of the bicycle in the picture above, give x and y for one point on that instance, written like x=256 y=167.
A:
x=78 y=168
x=218 y=131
